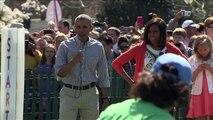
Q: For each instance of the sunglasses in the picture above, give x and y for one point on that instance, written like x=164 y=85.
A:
x=123 y=47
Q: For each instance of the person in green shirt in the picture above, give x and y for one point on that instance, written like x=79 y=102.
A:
x=155 y=93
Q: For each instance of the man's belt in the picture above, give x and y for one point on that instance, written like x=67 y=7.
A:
x=85 y=87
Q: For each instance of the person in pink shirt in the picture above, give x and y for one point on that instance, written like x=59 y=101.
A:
x=201 y=103
x=145 y=53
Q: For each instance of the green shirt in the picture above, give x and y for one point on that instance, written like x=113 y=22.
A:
x=135 y=109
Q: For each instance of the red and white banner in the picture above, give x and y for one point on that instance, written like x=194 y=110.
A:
x=12 y=74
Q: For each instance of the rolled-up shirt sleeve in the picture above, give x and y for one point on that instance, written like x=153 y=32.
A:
x=172 y=24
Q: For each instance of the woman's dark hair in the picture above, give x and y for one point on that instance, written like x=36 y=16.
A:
x=29 y=43
x=164 y=90
x=151 y=16
x=106 y=38
x=160 y=23
x=201 y=27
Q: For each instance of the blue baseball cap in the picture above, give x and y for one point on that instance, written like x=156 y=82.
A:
x=180 y=63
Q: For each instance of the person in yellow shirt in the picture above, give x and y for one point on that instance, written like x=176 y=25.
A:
x=32 y=56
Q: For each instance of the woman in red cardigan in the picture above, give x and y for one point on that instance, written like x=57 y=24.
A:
x=145 y=53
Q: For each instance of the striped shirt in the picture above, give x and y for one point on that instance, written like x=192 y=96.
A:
x=93 y=66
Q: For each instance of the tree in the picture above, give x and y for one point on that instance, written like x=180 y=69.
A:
x=125 y=12
x=201 y=9
x=9 y=16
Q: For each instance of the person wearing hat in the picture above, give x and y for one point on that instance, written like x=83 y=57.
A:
x=155 y=93
x=114 y=32
x=191 y=29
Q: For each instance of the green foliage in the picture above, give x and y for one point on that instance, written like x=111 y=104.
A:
x=201 y=9
x=125 y=12
x=8 y=2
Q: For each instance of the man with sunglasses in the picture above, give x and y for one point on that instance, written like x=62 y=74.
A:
x=123 y=46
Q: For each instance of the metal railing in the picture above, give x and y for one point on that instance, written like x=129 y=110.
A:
x=41 y=97
x=41 y=100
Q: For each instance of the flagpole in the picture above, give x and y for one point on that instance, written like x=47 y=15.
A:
x=56 y=14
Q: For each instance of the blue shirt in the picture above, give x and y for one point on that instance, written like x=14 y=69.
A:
x=45 y=71
x=93 y=66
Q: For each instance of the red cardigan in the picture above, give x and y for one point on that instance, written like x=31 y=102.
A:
x=137 y=53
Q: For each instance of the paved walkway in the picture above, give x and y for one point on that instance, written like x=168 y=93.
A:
x=37 y=25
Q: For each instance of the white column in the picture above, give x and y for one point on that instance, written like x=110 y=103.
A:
x=12 y=74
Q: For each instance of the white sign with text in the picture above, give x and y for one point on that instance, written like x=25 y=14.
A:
x=12 y=74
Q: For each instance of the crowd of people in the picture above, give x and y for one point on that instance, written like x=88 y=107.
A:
x=153 y=58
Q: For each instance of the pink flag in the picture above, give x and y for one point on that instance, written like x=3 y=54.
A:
x=54 y=12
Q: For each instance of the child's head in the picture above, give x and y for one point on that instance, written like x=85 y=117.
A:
x=192 y=40
x=134 y=40
x=203 y=47
x=48 y=54
x=123 y=44
x=179 y=34
x=41 y=44
x=59 y=38
x=51 y=25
